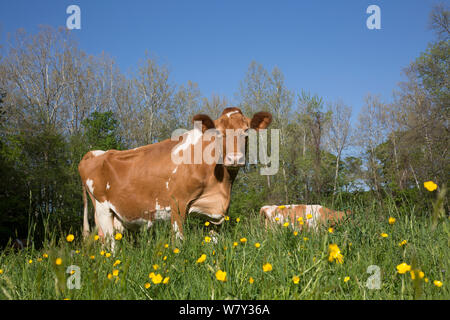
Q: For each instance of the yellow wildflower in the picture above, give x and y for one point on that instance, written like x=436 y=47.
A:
x=109 y=276
x=155 y=267
x=115 y=272
x=430 y=185
x=151 y=275
x=437 y=283
x=102 y=253
x=166 y=245
x=295 y=279
x=330 y=230
x=30 y=261
x=227 y=218
x=147 y=285
x=238 y=219
x=107 y=254
x=257 y=245
x=335 y=253
x=207 y=223
x=267 y=267
x=309 y=216
x=403 y=243
x=207 y=239
x=70 y=238
x=58 y=261
x=166 y=280
x=157 y=279
x=202 y=258
x=243 y=240
x=221 y=275
x=96 y=237
x=346 y=279
x=45 y=255
x=286 y=224
x=384 y=235
x=295 y=233
x=281 y=207
x=176 y=250
x=117 y=262
x=118 y=236
x=391 y=220
x=235 y=244
x=403 y=268
x=417 y=273
x=251 y=280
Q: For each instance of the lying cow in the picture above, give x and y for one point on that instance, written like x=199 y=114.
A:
x=134 y=187
x=300 y=215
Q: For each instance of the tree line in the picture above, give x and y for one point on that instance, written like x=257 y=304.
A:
x=57 y=102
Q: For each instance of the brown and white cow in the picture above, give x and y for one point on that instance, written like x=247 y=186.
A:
x=300 y=215
x=134 y=187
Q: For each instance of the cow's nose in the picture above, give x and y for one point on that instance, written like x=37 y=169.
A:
x=235 y=158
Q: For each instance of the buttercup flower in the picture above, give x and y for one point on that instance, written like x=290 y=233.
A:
x=309 y=216
x=330 y=230
x=391 y=220
x=238 y=219
x=417 y=274
x=403 y=243
x=384 y=235
x=115 y=272
x=96 y=237
x=58 y=261
x=346 y=279
x=335 y=253
x=437 y=283
x=403 y=268
x=202 y=258
x=221 y=275
x=157 y=279
x=295 y=279
x=166 y=280
x=286 y=224
x=147 y=285
x=118 y=236
x=117 y=262
x=281 y=207
x=267 y=267
x=251 y=280
x=243 y=240
x=176 y=250
x=207 y=239
x=430 y=185
x=70 y=238
x=257 y=245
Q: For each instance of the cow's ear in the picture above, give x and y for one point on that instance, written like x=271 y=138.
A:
x=261 y=120
x=207 y=122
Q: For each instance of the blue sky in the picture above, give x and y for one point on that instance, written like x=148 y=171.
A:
x=321 y=46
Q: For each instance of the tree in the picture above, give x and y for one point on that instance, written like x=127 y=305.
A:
x=338 y=134
x=101 y=131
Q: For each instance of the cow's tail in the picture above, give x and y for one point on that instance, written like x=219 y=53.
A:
x=85 y=214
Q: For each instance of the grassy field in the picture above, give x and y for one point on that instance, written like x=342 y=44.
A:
x=39 y=274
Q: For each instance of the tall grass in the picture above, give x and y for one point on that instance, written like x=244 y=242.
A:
x=304 y=255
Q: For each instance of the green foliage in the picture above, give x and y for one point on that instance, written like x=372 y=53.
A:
x=101 y=131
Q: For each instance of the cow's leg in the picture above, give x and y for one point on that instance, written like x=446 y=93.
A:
x=105 y=221
x=85 y=214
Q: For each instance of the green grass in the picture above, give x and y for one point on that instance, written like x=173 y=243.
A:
x=359 y=240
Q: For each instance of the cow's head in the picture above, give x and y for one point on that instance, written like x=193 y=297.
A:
x=232 y=124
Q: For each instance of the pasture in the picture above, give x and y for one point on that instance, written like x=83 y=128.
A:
x=274 y=264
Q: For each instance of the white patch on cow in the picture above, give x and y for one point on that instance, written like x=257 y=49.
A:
x=177 y=230
x=90 y=185
x=98 y=152
x=230 y=113
x=107 y=186
x=175 y=170
x=167 y=184
x=105 y=220
x=268 y=210
x=193 y=136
